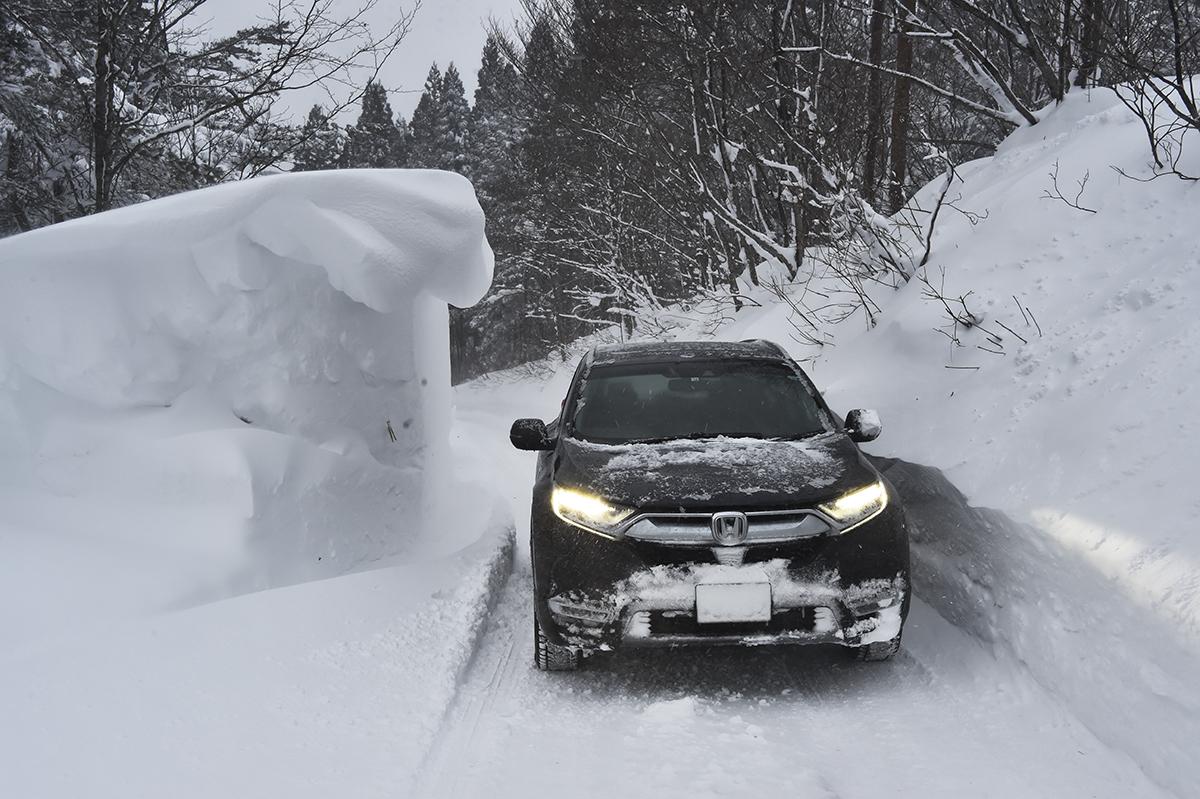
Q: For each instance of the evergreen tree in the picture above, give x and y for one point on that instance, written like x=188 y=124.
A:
x=456 y=118
x=375 y=140
x=441 y=123
x=495 y=129
x=322 y=143
x=403 y=142
x=497 y=332
x=427 y=122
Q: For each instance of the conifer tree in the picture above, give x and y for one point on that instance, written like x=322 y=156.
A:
x=322 y=143
x=456 y=117
x=495 y=128
x=498 y=331
x=375 y=140
x=427 y=122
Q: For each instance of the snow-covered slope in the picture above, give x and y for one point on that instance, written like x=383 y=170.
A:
x=1080 y=425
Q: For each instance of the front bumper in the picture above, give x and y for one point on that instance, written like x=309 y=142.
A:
x=597 y=594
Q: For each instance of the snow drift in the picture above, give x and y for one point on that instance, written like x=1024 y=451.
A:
x=226 y=390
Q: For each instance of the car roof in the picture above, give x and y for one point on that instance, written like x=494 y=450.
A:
x=660 y=351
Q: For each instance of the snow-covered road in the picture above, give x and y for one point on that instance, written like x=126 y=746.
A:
x=951 y=717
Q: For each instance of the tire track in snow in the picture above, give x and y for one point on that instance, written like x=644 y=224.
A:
x=493 y=663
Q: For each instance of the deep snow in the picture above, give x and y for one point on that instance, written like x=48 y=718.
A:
x=199 y=395
x=1083 y=435
x=1052 y=649
x=215 y=395
x=951 y=717
x=1078 y=566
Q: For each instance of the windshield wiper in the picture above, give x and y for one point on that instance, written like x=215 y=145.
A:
x=739 y=434
x=684 y=437
x=799 y=436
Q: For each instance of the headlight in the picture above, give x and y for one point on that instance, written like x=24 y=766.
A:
x=588 y=511
x=857 y=506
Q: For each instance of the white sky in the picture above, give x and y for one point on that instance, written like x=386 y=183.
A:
x=443 y=31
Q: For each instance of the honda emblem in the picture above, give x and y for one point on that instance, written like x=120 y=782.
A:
x=729 y=528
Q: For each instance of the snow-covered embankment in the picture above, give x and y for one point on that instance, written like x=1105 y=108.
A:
x=216 y=394
x=1075 y=419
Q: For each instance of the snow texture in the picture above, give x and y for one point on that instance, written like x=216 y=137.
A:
x=232 y=390
x=198 y=395
x=701 y=469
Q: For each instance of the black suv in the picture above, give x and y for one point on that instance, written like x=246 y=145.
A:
x=704 y=493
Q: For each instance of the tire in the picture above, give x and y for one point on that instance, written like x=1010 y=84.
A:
x=878 y=651
x=548 y=656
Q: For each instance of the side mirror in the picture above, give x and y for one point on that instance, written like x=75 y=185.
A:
x=863 y=425
x=530 y=434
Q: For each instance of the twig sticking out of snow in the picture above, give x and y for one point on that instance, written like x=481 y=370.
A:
x=1057 y=194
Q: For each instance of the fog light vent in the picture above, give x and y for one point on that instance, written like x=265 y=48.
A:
x=861 y=609
x=582 y=611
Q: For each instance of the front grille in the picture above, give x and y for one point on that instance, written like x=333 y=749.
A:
x=667 y=555
x=674 y=623
x=800 y=553
x=695 y=528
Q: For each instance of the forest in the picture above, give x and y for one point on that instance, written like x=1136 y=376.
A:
x=632 y=158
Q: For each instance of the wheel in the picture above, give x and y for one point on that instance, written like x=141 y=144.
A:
x=548 y=656
x=877 y=651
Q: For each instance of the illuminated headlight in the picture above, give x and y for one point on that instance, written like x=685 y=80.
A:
x=588 y=511
x=857 y=506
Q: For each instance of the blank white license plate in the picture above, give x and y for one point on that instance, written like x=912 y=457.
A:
x=725 y=603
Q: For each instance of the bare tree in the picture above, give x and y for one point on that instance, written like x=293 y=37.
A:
x=149 y=79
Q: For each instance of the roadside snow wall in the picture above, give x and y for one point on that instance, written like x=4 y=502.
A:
x=199 y=395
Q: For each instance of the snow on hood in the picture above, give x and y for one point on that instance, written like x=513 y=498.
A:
x=727 y=472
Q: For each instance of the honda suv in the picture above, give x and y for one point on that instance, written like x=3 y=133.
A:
x=704 y=493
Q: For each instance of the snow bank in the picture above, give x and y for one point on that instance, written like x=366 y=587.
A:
x=1082 y=434
x=227 y=390
x=330 y=688
x=238 y=389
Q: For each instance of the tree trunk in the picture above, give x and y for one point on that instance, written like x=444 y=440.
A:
x=898 y=166
x=873 y=144
x=102 y=109
x=1065 y=61
x=1089 y=41
x=15 y=149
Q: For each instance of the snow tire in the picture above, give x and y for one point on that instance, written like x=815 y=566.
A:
x=549 y=656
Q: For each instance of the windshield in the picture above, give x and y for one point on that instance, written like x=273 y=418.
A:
x=627 y=403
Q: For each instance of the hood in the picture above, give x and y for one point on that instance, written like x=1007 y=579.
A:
x=736 y=473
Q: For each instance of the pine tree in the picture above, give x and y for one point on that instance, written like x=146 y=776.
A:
x=456 y=117
x=375 y=140
x=403 y=142
x=322 y=143
x=497 y=332
x=495 y=128
x=427 y=122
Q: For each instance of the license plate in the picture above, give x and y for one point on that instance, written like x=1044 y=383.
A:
x=726 y=603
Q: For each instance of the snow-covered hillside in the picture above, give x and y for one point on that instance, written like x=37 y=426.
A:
x=1065 y=543
x=1075 y=418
